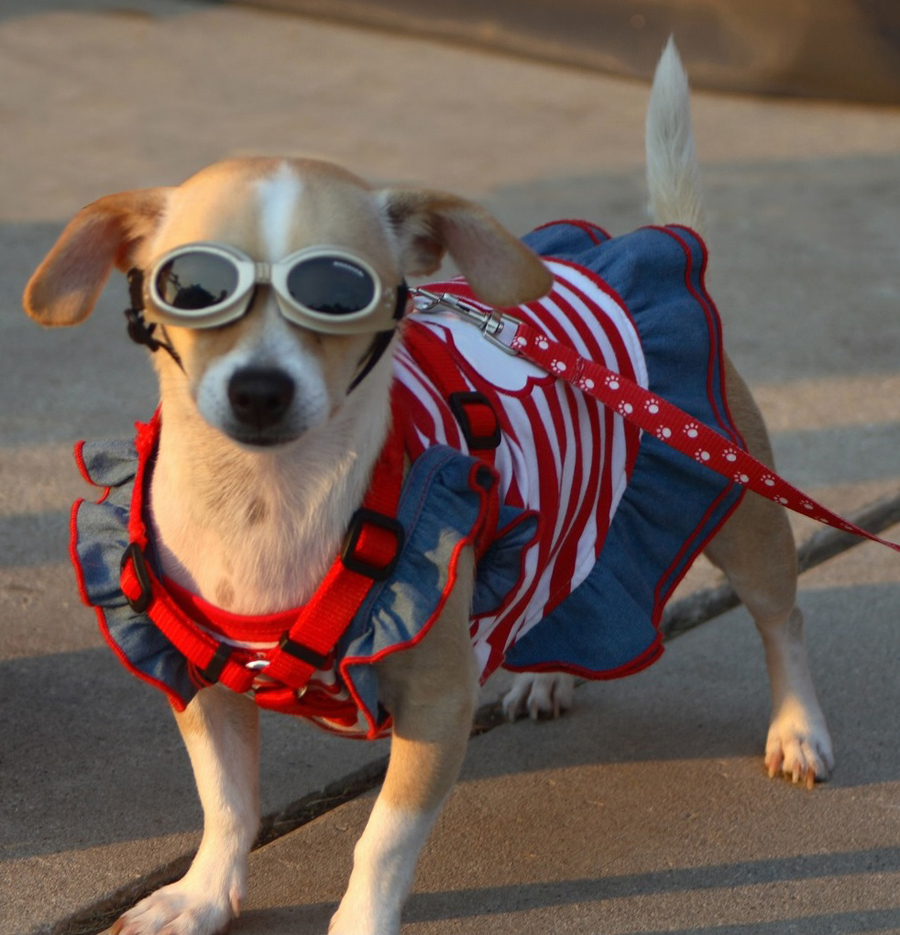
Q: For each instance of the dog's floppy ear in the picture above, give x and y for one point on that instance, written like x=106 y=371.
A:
x=66 y=286
x=500 y=269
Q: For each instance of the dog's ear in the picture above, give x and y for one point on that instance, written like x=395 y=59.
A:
x=66 y=286
x=501 y=270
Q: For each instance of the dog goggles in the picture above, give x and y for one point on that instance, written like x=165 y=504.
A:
x=326 y=289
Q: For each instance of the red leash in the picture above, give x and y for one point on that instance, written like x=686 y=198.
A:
x=649 y=412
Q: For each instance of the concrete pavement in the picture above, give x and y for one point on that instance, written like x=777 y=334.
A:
x=647 y=810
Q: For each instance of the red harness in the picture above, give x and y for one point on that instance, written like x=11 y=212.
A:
x=370 y=551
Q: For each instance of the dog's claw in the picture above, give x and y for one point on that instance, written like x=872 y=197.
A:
x=539 y=696
x=177 y=910
x=799 y=751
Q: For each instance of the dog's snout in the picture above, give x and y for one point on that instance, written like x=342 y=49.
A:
x=260 y=397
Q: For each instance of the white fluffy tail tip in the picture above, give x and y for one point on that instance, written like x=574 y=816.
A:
x=670 y=96
x=670 y=68
x=672 y=173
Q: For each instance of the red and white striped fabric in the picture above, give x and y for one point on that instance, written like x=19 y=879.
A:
x=561 y=455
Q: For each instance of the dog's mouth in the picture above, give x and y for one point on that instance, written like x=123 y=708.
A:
x=256 y=440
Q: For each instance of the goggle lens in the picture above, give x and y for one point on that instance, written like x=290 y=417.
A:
x=197 y=280
x=331 y=285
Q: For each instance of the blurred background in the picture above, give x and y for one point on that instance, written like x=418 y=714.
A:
x=843 y=49
x=836 y=49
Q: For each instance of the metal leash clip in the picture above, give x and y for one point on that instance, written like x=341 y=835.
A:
x=496 y=326
x=260 y=665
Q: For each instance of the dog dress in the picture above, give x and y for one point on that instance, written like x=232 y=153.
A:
x=582 y=525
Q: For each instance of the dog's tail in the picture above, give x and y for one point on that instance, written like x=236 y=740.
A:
x=672 y=174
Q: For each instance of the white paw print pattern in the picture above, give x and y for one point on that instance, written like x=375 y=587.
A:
x=518 y=342
x=542 y=342
x=768 y=480
x=625 y=409
x=742 y=478
x=664 y=432
x=558 y=366
x=730 y=455
x=692 y=430
x=807 y=505
x=586 y=384
x=612 y=381
x=702 y=456
x=652 y=406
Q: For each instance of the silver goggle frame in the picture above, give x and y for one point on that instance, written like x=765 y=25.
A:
x=378 y=315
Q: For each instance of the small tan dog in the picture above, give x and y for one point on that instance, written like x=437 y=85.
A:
x=266 y=450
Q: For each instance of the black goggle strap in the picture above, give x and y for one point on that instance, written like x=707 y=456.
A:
x=368 y=361
x=381 y=340
x=138 y=329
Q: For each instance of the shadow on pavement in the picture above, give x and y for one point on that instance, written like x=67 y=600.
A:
x=521 y=897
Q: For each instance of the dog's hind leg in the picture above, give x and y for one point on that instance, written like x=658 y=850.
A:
x=756 y=551
x=430 y=690
x=220 y=730
x=755 y=548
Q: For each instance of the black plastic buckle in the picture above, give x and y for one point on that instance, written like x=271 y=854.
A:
x=352 y=562
x=301 y=652
x=213 y=671
x=133 y=552
x=458 y=405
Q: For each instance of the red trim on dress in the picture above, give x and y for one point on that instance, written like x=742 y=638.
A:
x=73 y=551
x=171 y=694
x=588 y=227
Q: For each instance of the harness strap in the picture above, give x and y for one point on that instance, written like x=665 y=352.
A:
x=371 y=549
x=146 y=593
x=143 y=590
x=672 y=426
x=472 y=410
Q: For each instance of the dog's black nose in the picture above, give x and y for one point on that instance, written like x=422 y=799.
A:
x=259 y=398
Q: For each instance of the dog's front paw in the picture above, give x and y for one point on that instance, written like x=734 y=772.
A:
x=180 y=909
x=354 y=919
x=799 y=747
x=539 y=695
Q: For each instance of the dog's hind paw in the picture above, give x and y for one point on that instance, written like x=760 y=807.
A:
x=178 y=909
x=539 y=695
x=799 y=748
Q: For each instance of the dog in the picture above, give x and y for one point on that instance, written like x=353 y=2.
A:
x=282 y=384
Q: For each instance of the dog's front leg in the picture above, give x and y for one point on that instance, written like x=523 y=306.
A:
x=430 y=690
x=220 y=731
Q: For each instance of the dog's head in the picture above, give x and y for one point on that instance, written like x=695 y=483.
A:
x=267 y=364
